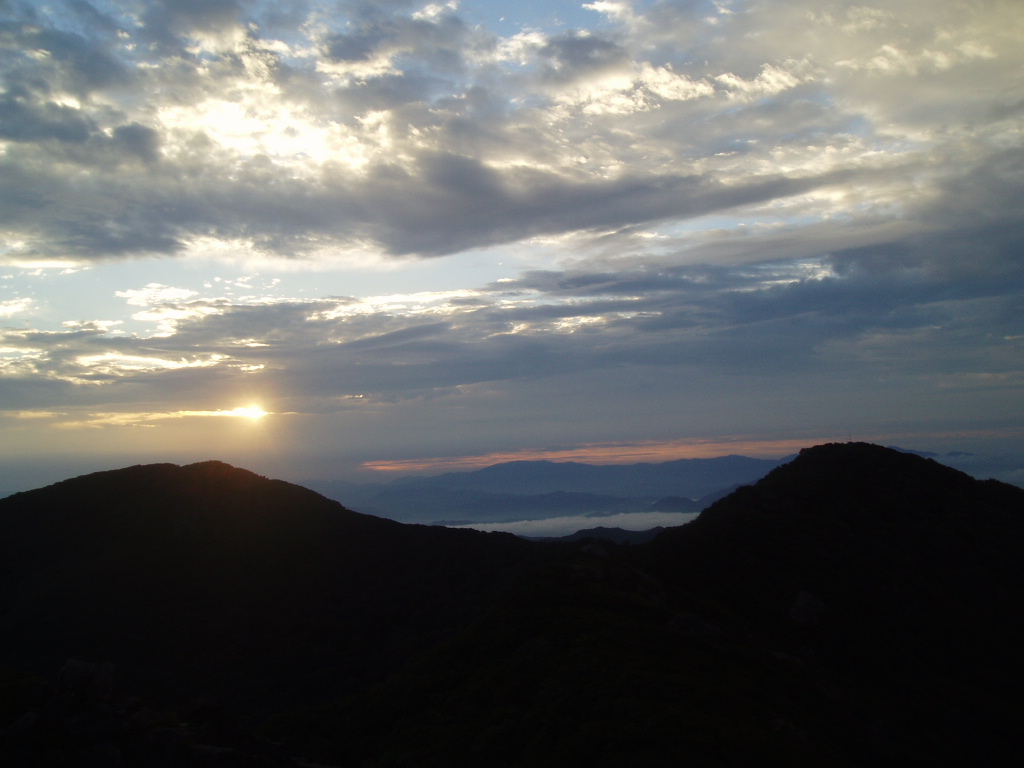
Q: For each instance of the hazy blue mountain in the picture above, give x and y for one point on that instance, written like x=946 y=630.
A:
x=533 y=490
x=523 y=490
x=684 y=477
x=434 y=505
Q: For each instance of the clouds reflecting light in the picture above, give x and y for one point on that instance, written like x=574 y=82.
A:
x=486 y=229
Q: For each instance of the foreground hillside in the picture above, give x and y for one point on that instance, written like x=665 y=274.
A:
x=857 y=606
x=208 y=582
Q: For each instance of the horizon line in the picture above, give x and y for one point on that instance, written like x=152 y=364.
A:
x=610 y=453
x=670 y=450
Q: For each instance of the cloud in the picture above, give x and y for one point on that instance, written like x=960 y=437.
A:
x=856 y=312
x=130 y=419
x=11 y=307
x=710 y=212
x=368 y=127
x=24 y=121
x=48 y=61
x=170 y=23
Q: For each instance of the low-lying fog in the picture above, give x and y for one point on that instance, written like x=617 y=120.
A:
x=565 y=526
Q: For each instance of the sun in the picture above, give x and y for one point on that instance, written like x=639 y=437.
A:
x=253 y=412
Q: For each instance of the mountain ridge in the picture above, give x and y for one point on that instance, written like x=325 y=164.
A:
x=769 y=634
x=853 y=607
x=222 y=546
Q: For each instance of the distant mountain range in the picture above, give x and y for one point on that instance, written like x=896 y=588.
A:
x=858 y=606
x=540 y=490
x=525 y=490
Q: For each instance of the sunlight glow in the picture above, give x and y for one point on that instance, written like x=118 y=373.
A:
x=129 y=419
x=253 y=412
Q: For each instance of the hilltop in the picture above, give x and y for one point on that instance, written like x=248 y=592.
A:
x=210 y=581
x=856 y=606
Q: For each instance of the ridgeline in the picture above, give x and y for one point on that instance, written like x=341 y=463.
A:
x=857 y=606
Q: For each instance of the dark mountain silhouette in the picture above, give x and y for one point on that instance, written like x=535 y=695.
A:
x=207 y=581
x=858 y=606
x=603 y=533
x=855 y=607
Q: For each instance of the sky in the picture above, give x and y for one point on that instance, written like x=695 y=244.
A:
x=359 y=239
